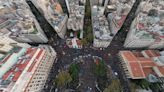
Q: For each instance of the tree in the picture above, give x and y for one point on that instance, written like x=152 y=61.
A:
x=144 y=84
x=156 y=87
x=114 y=86
x=88 y=9
x=100 y=69
x=133 y=87
x=84 y=41
x=63 y=78
x=74 y=71
x=89 y=37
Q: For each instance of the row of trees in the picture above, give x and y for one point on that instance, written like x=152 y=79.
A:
x=88 y=37
x=100 y=70
x=88 y=34
x=144 y=84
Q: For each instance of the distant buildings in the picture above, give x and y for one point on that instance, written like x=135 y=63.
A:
x=147 y=64
x=101 y=32
x=76 y=10
x=52 y=11
x=104 y=29
x=99 y=2
x=25 y=69
x=75 y=24
x=147 y=30
x=18 y=23
x=116 y=12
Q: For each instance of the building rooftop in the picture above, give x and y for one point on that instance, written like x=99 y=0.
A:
x=52 y=11
x=149 y=22
x=76 y=14
x=100 y=26
x=141 y=66
x=19 y=20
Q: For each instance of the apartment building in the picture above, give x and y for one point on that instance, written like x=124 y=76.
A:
x=76 y=9
x=26 y=69
x=7 y=44
x=147 y=29
x=101 y=32
x=17 y=20
x=116 y=12
x=52 y=11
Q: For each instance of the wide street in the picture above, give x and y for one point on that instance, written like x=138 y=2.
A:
x=66 y=55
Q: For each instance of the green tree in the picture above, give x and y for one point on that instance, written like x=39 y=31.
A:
x=133 y=87
x=144 y=84
x=84 y=41
x=155 y=87
x=88 y=9
x=114 y=86
x=63 y=78
x=100 y=69
x=74 y=71
x=89 y=37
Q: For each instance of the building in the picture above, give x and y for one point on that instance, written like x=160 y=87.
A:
x=147 y=64
x=101 y=32
x=26 y=69
x=116 y=12
x=6 y=44
x=76 y=10
x=147 y=29
x=99 y=2
x=52 y=11
x=17 y=20
x=75 y=24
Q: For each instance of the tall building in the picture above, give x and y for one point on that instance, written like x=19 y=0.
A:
x=17 y=20
x=53 y=13
x=26 y=69
x=147 y=29
x=147 y=64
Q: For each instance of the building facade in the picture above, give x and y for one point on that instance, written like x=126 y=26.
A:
x=26 y=69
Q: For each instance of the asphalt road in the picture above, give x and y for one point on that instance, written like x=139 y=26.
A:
x=67 y=58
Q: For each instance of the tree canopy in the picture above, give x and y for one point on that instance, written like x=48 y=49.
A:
x=100 y=69
x=74 y=71
x=115 y=86
x=63 y=78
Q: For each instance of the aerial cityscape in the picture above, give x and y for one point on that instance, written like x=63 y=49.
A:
x=81 y=45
